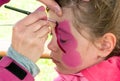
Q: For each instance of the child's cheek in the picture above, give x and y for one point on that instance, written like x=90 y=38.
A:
x=72 y=59
x=70 y=56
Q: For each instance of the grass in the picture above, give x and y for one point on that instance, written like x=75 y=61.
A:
x=8 y=18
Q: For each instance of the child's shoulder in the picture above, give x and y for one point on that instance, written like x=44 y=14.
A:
x=106 y=70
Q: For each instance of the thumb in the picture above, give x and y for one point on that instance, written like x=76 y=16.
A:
x=53 y=6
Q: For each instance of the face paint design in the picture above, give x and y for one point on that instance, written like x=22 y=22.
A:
x=68 y=44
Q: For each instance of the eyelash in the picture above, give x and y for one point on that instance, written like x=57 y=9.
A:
x=63 y=41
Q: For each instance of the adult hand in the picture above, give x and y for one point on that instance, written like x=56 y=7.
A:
x=54 y=6
x=30 y=34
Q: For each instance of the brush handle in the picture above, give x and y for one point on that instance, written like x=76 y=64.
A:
x=18 y=10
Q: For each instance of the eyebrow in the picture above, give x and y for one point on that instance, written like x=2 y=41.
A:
x=62 y=30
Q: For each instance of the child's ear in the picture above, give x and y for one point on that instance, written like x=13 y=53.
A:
x=107 y=44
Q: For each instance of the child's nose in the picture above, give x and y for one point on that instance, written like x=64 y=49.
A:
x=52 y=45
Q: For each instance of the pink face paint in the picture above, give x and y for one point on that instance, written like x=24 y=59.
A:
x=68 y=45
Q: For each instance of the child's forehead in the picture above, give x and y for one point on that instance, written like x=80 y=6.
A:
x=66 y=15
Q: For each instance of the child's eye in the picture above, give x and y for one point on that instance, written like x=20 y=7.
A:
x=63 y=41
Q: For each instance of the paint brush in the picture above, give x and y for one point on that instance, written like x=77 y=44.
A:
x=25 y=12
x=18 y=10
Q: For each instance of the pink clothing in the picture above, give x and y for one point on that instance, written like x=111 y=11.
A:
x=3 y=2
x=71 y=77
x=11 y=71
x=108 y=70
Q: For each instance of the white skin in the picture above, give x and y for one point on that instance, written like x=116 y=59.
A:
x=87 y=52
x=30 y=34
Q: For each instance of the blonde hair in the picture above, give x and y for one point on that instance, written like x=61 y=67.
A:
x=98 y=16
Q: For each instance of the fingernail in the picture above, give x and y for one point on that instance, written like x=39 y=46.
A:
x=42 y=8
x=58 y=10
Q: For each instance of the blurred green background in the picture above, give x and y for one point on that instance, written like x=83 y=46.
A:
x=8 y=18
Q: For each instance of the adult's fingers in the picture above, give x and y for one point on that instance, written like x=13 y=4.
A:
x=38 y=25
x=53 y=6
x=34 y=17
x=38 y=29
x=43 y=32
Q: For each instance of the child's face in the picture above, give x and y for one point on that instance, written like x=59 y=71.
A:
x=70 y=51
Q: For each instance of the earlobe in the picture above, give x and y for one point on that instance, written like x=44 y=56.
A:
x=107 y=44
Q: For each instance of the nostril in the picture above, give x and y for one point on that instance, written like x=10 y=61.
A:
x=52 y=46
